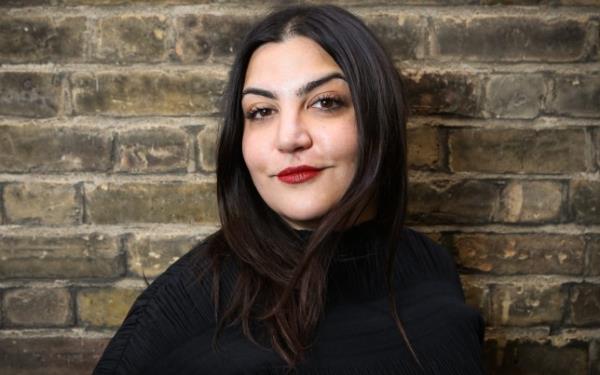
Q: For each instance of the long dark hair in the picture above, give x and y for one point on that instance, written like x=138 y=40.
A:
x=281 y=279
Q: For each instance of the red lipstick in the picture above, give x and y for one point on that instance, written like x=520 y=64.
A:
x=298 y=175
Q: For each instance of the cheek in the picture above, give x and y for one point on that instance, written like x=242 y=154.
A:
x=252 y=152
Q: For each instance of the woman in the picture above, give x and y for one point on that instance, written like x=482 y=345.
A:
x=312 y=270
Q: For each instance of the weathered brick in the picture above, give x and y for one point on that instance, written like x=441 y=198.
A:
x=524 y=305
x=210 y=37
x=585 y=201
x=510 y=254
x=517 y=150
x=576 y=95
x=146 y=93
x=56 y=256
x=509 y=38
x=37 y=307
x=453 y=202
x=595 y=357
x=41 y=39
x=443 y=93
x=585 y=304
x=593 y=251
x=30 y=94
x=167 y=202
x=24 y=3
x=531 y=202
x=41 y=203
x=596 y=143
x=477 y=296
x=403 y=36
x=50 y=149
x=50 y=355
x=132 y=39
x=515 y=96
x=207 y=149
x=153 y=150
x=423 y=148
x=107 y=307
x=537 y=358
x=149 y=255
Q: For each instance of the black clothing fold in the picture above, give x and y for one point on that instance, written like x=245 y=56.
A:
x=170 y=327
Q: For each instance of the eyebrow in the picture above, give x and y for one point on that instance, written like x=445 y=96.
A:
x=309 y=86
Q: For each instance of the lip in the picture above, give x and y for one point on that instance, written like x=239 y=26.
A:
x=299 y=174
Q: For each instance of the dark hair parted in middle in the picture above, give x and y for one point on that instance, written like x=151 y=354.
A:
x=281 y=279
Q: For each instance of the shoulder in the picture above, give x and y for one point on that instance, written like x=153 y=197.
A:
x=421 y=258
x=174 y=306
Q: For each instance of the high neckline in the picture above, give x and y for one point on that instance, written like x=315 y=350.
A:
x=361 y=240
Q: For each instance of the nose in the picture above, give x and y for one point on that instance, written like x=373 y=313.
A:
x=292 y=134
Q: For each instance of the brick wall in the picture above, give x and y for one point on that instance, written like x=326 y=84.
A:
x=107 y=128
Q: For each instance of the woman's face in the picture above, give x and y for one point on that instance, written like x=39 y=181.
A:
x=300 y=133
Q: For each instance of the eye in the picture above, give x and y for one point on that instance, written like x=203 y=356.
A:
x=258 y=113
x=328 y=102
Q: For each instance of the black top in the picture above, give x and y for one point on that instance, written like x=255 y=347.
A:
x=170 y=327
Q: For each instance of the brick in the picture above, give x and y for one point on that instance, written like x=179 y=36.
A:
x=41 y=39
x=169 y=202
x=41 y=203
x=585 y=201
x=585 y=304
x=146 y=93
x=517 y=150
x=107 y=307
x=27 y=94
x=515 y=96
x=577 y=96
x=477 y=296
x=149 y=255
x=59 y=256
x=402 y=36
x=507 y=38
x=156 y=150
x=50 y=149
x=530 y=357
x=531 y=202
x=24 y=3
x=596 y=145
x=595 y=357
x=447 y=93
x=37 y=307
x=210 y=37
x=423 y=148
x=514 y=254
x=453 y=202
x=132 y=39
x=50 y=355
x=593 y=251
x=207 y=149
x=526 y=305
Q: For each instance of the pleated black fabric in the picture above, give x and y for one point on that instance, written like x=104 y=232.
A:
x=170 y=327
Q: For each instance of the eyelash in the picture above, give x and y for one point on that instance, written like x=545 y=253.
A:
x=336 y=101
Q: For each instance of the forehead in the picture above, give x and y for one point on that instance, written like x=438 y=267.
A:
x=288 y=64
